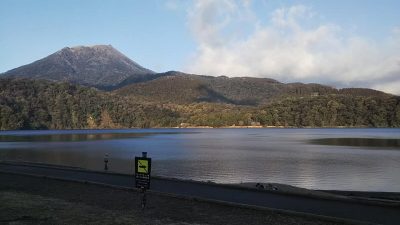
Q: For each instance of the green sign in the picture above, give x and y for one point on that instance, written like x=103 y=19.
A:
x=143 y=166
x=142 y=172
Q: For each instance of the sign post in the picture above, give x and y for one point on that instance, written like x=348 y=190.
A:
x=142 y=175
x=105 y=162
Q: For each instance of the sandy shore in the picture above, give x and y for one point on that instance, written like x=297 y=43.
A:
x=388 y=197
x=32 y=200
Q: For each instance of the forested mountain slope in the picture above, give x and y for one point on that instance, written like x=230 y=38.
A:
x=36 y=104
x=99 y=87
x=181 y=88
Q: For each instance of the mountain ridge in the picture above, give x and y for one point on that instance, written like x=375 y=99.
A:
x=180 y=88
x=119 y=93
x=105 y=68
x=97 y=66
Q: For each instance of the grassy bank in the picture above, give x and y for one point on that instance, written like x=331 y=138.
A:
x=30 y=200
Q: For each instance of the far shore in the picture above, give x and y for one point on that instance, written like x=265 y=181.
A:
x=261 y=127
x=211 y=127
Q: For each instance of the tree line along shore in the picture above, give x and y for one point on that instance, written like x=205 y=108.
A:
x=38 y=104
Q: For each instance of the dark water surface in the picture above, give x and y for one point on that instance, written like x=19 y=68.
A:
x=342 y=159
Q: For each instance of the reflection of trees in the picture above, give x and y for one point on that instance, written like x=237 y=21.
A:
x=69 y=137
x=359 y=142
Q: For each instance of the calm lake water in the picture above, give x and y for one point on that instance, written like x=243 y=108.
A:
x=342 y=159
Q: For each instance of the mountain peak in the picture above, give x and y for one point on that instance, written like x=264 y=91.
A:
x=92 y=47
x=94 y=50
x=97 y=65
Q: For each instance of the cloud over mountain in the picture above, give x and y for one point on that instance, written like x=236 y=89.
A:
x=232 y=40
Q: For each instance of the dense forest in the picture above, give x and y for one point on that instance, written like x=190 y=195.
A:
x=333 y=111
x=180 y=88
x=38 y=104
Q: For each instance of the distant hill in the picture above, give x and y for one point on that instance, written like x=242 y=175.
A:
x=38 y=104
x=100 y=66
x=47 y=94
x=105 y=68
x=181 y=88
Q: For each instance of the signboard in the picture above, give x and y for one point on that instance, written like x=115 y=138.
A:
x=142 y=172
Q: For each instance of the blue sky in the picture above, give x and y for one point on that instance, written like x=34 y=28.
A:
x=290 y=40
x=146 y=31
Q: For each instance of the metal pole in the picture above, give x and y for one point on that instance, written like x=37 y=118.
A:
x=106 y=162
x=143 y=198
x=144 y=155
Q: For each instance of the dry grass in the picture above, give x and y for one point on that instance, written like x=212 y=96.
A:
x=29 y=200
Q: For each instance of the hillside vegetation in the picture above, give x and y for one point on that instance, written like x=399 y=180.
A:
x=180 y=88
x=38 y=104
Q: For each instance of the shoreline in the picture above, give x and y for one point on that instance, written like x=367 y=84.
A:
x=268 y=186
x=210 y=127
x=279 y=188
x=268 y=127
x=379 y=196
x=326 y=207
x=49 y=201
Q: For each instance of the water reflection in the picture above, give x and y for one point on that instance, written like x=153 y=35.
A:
x=358 y=142
x=226 y=155
x=67 y=137
x=71 y=137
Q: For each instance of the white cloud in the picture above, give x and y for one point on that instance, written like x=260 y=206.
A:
x=233 y=42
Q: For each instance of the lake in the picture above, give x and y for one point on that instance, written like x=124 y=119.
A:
x=341 y=159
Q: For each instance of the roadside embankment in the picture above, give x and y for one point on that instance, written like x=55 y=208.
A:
x=35 y=200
